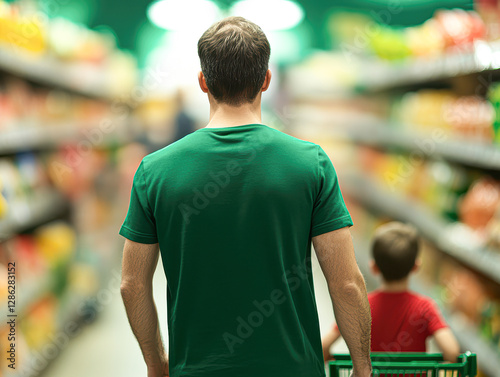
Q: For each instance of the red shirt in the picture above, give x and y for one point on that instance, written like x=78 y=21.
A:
x=402 y=321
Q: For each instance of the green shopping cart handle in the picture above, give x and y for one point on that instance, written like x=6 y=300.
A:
x=409 y=363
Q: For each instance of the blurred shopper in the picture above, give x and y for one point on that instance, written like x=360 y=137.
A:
x=233 y=208
x=402 y=320
x=184 y=123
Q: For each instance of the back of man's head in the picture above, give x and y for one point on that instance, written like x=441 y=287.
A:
x=395 y=249
x=234 y=55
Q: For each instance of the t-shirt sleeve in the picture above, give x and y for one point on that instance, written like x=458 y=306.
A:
x=329 y=212
x=434 y=318
x=139 y=225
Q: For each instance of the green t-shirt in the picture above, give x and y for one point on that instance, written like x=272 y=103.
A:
x=233 y=210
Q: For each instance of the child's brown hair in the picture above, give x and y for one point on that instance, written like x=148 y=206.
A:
x=395 y=249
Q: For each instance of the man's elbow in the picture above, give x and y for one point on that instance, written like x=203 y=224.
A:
x=352 y=287
x=130 y=288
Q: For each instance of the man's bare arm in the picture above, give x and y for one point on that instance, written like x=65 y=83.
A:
x=347 y=288
x=138 y=267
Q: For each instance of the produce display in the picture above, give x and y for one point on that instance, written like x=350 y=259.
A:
x=470 y=118
x=448 y=31
x=448 y=190
x=62 y=172
x=82 y=55
x=494 y=97
x=66 y=261
x=26 y=107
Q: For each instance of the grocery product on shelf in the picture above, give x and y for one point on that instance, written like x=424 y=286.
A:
x=494 y=97
x=448 y=30
x=21 y=31
x=3 y=204
x=478 y=207
x=493 y=231
x=43 y=117
x=62 y=53
x=460 y=117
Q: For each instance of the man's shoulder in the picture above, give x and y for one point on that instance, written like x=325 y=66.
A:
x=291 y=139
x=179 y=147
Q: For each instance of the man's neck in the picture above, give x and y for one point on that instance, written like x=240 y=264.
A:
x=228 y=116
x=395 y=286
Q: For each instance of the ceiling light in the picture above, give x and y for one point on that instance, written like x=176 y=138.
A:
x=270 y=14
x=183 y=15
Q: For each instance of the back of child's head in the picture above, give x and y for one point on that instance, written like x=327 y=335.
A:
x=395 y=249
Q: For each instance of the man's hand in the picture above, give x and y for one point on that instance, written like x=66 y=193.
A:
x=367 y=373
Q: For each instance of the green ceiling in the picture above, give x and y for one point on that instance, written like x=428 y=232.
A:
x=134 y=32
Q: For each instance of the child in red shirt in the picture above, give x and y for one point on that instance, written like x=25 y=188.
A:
x=401 y=320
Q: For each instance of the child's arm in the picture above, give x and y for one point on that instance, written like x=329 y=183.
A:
x=328 y=341
x=448 y=344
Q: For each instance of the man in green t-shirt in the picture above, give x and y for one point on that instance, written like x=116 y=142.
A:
x=233 y=208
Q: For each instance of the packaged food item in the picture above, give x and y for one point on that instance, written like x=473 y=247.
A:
x=459 y=27
x=471 y=119
x=447 y=31
x=21 y=29
x=56 y=242
x=39 y=323
x=493 y=231
x=494 y=98
x=480 y=203
x=3 y=204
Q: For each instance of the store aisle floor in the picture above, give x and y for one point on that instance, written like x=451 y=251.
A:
x=108 y=348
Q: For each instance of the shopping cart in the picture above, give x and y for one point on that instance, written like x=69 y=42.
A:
x=409 y=365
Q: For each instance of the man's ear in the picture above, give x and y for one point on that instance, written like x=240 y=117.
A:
x=374 y=268
x=267 y=81
x=202 y=82
x=417 y=265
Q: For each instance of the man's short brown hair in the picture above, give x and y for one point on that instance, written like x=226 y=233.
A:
x=234 y=55
x=395 y=249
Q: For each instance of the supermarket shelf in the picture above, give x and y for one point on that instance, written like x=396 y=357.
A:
x=83 y=79
x=484 y=156
x=69 y=316
x=36 y=138
x=41 y=208
x=29 y=295
x=467 y=334
x=369 y=130
x=432 y=227
x=386 y=75
x=23 y=139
